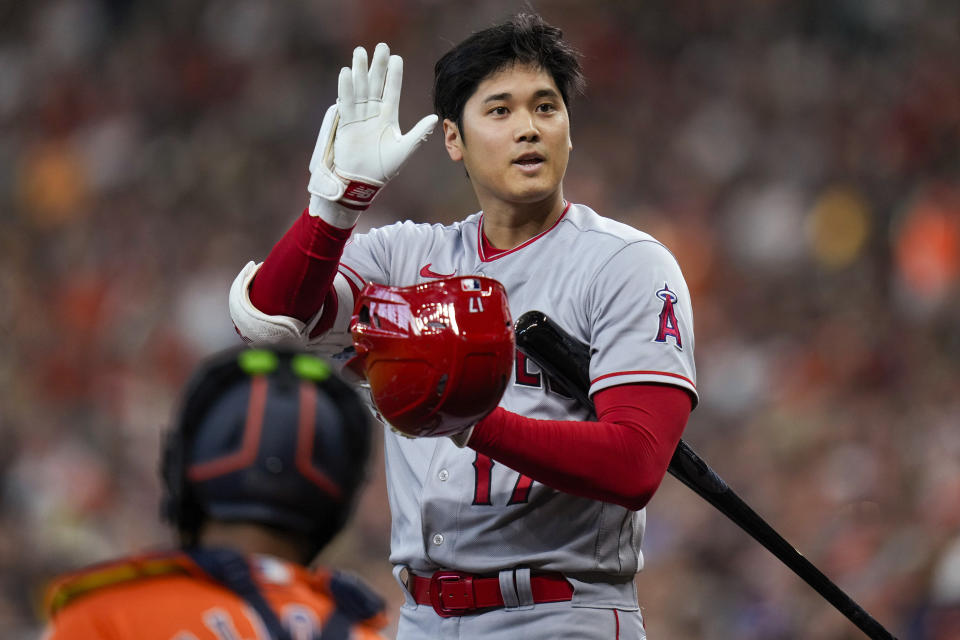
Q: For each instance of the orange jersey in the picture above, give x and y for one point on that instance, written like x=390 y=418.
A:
x=166 y=596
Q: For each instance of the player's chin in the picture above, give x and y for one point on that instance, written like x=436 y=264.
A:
x=530 y=196
x=529 y=191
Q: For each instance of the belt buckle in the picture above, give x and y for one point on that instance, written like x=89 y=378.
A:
x=451 y=593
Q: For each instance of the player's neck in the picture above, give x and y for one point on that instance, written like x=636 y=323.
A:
x=251 y=539
x=509 y=225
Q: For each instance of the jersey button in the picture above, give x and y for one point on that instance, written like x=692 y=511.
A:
x=443 y=475
x=437 y=539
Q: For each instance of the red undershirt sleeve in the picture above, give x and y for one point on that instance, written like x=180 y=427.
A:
x=295 y=278
x=620 y=458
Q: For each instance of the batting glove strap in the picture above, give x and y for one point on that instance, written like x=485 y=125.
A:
x=328 y=182
x=358 y=195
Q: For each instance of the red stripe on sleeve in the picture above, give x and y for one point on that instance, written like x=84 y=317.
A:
x=296 y=276
x=332 y=303
x=620 y=458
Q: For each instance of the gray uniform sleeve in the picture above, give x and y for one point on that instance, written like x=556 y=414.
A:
x=641 y=320
x=384 y=255
x=366 y=258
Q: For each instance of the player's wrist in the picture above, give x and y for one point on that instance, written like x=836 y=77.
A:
x=358 y=193
x=333 y=212
x=346 y=190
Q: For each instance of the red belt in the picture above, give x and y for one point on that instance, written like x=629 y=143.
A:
x=452 y=593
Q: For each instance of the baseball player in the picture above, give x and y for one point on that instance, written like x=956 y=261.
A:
x=532 y=528
x=260 y=472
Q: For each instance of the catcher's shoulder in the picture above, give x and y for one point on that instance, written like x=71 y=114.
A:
x=69 y=587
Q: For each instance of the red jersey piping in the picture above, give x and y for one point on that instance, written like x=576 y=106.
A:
x=654 y=373
x=357 y=275
x=484 y=258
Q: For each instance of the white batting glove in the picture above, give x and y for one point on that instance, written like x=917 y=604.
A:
x=360 y=146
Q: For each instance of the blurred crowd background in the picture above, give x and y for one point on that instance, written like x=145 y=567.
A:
x=802 y=160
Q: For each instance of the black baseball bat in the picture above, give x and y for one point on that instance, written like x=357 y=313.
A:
x=566 y=361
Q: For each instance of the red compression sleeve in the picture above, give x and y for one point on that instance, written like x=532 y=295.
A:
x=621 y=458
x=296 y=276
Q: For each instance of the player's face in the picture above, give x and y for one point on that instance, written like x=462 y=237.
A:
x=515 y=142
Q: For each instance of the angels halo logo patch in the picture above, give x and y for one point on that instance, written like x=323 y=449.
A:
x=668 y=318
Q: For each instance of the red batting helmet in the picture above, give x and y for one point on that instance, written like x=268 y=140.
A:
x=437 y=355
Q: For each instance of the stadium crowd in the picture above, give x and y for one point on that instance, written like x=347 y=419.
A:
x=801 y=159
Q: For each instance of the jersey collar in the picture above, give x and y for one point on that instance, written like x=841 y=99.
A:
x=488 y=253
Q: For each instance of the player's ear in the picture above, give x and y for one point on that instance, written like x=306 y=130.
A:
x=452 y=140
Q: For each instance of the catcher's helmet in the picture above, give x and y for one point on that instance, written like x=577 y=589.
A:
x=269 y=436
x=437 y=355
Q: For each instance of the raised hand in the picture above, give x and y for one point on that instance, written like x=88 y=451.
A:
x=360 y=146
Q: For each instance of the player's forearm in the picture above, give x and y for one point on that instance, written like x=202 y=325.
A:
x=359 y=149
x=296 y=276
x=620 y=458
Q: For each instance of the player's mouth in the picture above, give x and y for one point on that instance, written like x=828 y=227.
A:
x=529 y=162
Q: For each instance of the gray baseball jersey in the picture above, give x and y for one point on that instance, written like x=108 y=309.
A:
x=611 y=286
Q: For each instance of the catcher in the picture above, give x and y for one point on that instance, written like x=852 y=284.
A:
x=260 y=472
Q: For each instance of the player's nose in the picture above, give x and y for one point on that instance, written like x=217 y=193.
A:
x=527 y=130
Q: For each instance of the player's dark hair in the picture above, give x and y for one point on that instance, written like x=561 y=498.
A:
x=524 y=39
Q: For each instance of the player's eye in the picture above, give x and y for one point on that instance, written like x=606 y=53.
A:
x=546 y=107
x=499 y=111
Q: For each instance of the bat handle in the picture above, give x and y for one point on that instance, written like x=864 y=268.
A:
x=689 y=468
